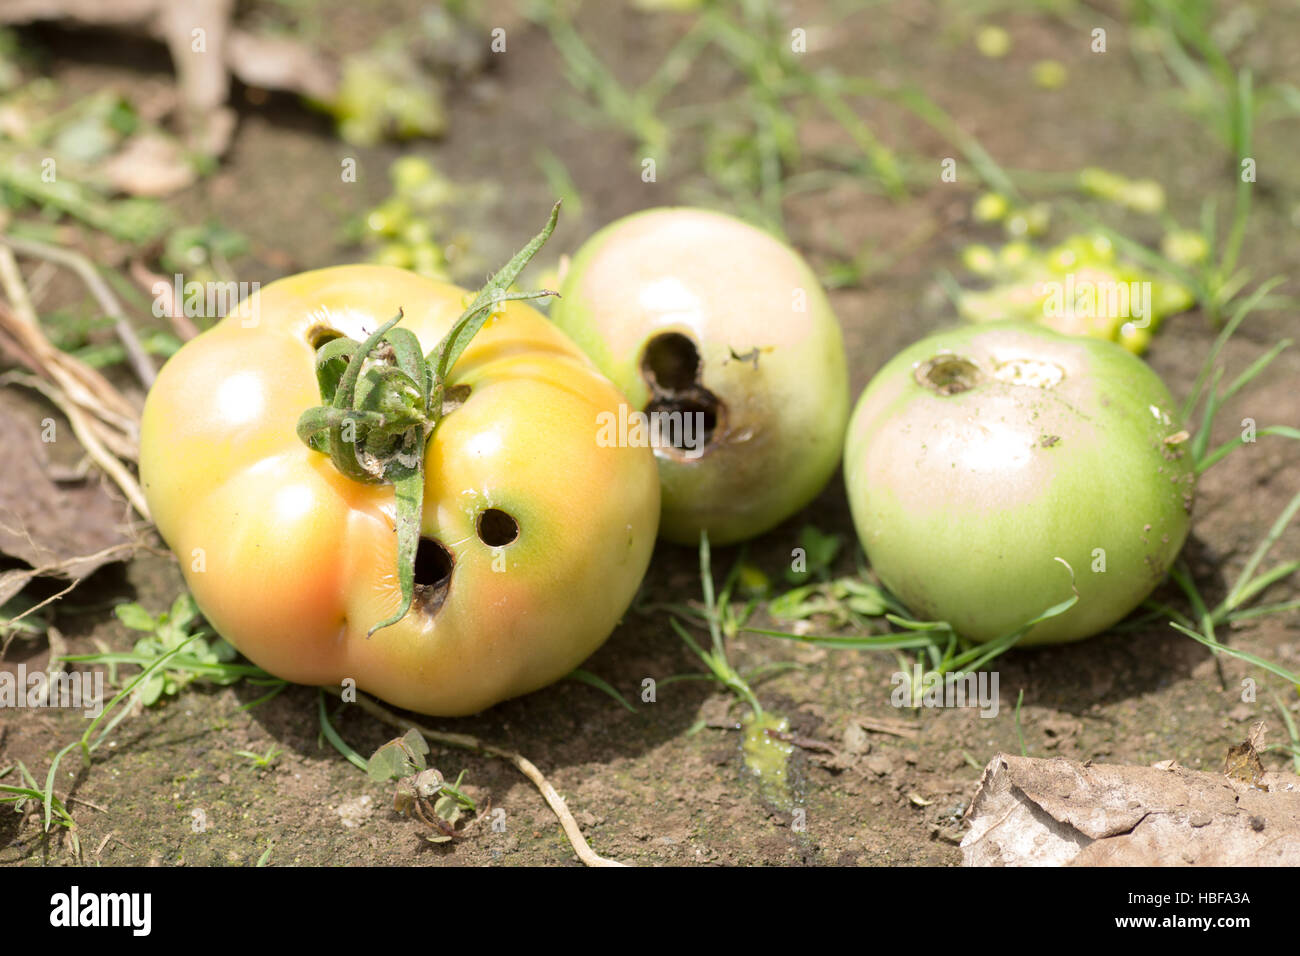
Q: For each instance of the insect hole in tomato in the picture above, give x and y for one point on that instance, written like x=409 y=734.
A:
x=433 y=567
x=496 y=528
x=671 y=367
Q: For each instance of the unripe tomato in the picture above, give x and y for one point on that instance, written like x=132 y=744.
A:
x=695 y=312
x=980 y=455
x=534 y=537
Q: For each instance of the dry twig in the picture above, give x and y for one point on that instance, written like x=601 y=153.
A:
x=136 y=356
x=105 y=423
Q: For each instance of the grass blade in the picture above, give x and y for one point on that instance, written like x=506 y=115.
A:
x=333 y=737
x=593 y=680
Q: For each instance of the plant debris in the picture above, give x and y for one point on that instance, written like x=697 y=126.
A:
x=1033 y=812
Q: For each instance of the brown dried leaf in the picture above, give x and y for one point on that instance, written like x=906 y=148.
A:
x=150 y=165
x=1032 y=812
x=1242 y=762
x=63 y=528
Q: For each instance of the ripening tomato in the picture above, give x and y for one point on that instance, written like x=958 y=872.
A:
x=533 y=536
x=978 y=456
x=725 y=344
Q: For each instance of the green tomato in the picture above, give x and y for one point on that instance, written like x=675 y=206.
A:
x=979 y=259
x=1049 y=74
x=695 y=312
x=993 y=42
x=393 y=254
x=409 y=173
x=1185 y=247
x=389 y=218
x=980 y=458
x=990 y=207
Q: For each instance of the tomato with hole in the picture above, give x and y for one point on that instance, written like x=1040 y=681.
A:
x=723 y=340
x=979 y=456
x=534 y=537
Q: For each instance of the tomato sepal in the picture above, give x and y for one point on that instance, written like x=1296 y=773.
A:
x=383 y=399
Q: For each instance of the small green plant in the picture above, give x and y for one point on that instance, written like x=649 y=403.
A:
x=849 y=600
x=1202 y=623
x=750 y=140
x=176 y=652
x=89 y=742
x=816 y=553
x=207 y=657
x=765 y=740
x=722 y=622
x=202 y=253
x=1211 y=374
x=421 y=793
x=168 y=631
x=261 y=761
x=21 y=796
x=946 y=650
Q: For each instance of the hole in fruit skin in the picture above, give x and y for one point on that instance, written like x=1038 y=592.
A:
x=671 y=362
x=318 y=335
x=496 y=529
x=433 y=566
x=681 y=434
x=1034 y=373
x=672 y=368
x=948 y=374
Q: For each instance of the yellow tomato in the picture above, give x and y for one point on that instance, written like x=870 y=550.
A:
x=700 y=317
x=534 y=536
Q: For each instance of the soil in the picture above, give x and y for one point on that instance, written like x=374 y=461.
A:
x=667 y=784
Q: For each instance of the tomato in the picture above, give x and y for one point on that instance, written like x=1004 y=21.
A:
x=699 y=315
x=532 y=536
x=979 y=456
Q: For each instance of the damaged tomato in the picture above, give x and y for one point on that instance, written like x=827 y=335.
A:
x=427 y=514
x=979 y=459
x=731 y=359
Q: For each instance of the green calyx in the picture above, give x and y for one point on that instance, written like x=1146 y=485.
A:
x=382 y=399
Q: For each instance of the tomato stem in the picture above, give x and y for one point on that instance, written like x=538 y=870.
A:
x=382 y=400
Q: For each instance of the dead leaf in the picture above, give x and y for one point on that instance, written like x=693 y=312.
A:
x=1242 y=762
x=150 y=165
x=1033 y=812
x=67 y=528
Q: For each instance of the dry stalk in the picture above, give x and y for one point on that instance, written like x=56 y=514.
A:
x=105 y=423
x=136 y=356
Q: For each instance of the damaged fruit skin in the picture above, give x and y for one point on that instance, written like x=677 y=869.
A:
x=770 y=355
x=293 y=563
x=964 y=501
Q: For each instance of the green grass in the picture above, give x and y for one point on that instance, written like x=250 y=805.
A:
x=750 y=142
x=261 y=761
x=88 y=743
x=175 y=652
x=593 y=680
